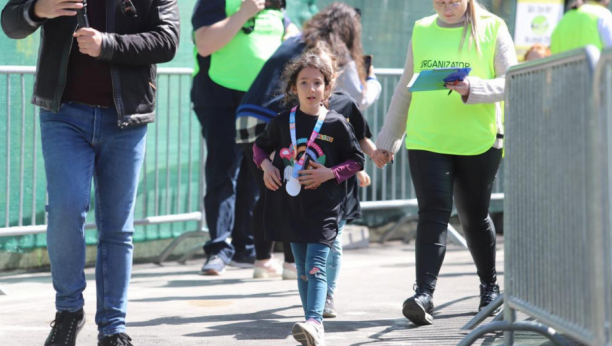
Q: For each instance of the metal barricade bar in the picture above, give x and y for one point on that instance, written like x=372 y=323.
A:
x=556 y=201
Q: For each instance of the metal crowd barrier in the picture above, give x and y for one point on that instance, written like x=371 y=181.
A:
x=557 y=260
x=171 y=184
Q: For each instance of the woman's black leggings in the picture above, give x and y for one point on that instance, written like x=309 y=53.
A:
x=437 y=178
x=263 y=247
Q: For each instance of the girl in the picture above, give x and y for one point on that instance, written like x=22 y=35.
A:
x=316 y=150
x=454 y=140
x=338 y=27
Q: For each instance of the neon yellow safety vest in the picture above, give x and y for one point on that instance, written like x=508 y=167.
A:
x=578 y=28
x=442 y=123
x=237 y=64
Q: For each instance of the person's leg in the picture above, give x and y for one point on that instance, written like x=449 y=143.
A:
x=221 y=173
x=119 y=157
x=334 y=261
x=432 y=176
x=316 y=264
x=299 y=251
x=263 y=247
x=289 y=258
x=69 y=164
x=312 y=284
x=473 y=186
x=247 y=194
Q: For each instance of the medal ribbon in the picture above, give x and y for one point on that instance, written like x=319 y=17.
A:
x=315 y=132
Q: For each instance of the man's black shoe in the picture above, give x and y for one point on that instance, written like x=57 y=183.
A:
x=120 y=339
x=65 y=327
x=488 y=293
x=418 y=308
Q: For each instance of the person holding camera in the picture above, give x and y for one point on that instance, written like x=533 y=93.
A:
x=233 y=38
x=454 y=140
x=96 y=89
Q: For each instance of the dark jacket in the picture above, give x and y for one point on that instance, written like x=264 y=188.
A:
x=132 y=46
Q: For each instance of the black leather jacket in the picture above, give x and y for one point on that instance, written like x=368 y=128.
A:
x=132 y=46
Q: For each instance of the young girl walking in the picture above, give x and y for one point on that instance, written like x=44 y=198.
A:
x=316 y=150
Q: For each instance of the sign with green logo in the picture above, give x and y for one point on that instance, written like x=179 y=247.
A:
x=535 y=22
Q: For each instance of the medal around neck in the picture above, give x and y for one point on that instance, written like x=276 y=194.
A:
x=293 y=187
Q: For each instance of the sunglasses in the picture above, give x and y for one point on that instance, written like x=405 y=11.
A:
x=128 y=8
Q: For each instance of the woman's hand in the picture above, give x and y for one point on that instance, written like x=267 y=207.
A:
x=271 y=177
x=313 y=178
x=381 y=157
x=462 y=87
x=364 y=179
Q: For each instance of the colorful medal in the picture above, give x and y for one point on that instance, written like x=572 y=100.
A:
x=293 y=187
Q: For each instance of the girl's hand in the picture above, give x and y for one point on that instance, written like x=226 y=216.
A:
x=462 y=87
x=364 y=179
x=381 y=157
x=271 y=177
x=313 y=178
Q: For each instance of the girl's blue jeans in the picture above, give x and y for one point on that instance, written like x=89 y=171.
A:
x=311 y=263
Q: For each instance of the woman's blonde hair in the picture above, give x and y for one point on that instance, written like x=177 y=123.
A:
x=472 y=24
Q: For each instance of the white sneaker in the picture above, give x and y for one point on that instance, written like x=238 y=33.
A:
x=289 y=271
x=267 y=269
x=309 y=333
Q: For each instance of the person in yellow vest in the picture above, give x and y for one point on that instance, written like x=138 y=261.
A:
x=233 y=38
x=454 y=140
x=589 y=23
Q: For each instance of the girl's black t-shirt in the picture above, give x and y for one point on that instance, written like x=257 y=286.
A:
x=313 y=215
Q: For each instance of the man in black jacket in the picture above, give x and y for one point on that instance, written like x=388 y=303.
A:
x=96 y=88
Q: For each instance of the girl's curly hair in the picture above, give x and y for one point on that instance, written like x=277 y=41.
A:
x=293 y=68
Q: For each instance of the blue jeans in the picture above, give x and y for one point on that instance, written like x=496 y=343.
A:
x=334 y=260
x=311 y=263
x=231 y=191
x=80 y=143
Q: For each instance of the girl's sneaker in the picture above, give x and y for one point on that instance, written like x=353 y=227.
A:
x=267 y=269
x=289 y=271
x=309 y=333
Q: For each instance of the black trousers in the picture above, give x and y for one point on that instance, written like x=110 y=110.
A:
x=437 y=178
x=263 y=247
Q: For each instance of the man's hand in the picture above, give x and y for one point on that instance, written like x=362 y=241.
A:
x=57 y=8
x=313 y=178
x=364 y=179
x=251 y=8
x=89 y=40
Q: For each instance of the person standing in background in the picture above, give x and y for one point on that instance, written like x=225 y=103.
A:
x=454 y=141
x=589 y=23
x=233 y=39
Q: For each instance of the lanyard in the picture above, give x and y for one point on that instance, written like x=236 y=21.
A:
x=315 y=132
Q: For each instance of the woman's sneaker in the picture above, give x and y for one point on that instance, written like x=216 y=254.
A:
x=309 y=333
x=488 y=293
x=65 y=328
x=289 y=271
x=330 y=310
x=268 y=269
x=418 y=308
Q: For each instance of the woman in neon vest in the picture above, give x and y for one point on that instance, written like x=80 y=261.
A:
x=454 y=140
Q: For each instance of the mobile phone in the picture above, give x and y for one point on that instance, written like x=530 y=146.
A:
x=275 y=4
x=367 y=63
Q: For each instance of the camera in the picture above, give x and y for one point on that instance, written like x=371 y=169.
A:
x=275 y=4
